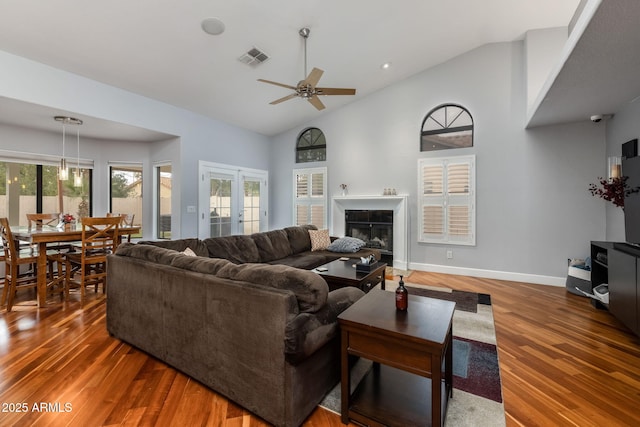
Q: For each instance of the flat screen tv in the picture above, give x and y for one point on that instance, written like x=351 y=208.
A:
x=631 y=168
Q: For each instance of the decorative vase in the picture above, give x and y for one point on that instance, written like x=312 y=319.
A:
x=67 y=226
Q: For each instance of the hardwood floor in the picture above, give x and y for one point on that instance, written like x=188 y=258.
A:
x=563 y=363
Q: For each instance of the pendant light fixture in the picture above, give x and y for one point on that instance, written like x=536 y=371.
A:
x=77 y=175
x=63 y=169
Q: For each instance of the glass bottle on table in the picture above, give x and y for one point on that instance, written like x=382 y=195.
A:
x=402 y=296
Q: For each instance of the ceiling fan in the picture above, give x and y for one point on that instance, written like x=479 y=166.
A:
x=307 y=88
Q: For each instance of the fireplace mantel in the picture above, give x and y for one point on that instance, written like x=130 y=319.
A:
x=400 y=220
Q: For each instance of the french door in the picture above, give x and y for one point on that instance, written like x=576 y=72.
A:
x=232 y=200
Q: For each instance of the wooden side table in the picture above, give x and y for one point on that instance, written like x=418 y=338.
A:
x=406 y=385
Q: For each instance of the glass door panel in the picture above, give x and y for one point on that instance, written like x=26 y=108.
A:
x=220 y=206
x=251 y=207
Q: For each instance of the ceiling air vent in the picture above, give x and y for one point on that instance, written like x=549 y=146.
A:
x=254 y=57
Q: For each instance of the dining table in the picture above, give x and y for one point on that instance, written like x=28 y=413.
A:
x=47 y=234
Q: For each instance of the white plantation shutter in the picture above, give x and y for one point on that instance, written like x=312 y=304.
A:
x=433 y=220
x=318 y=184
x=433 y=199
x=447 y=200
x=302 y=186
x=310 y=197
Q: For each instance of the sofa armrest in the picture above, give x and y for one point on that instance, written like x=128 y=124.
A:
x=308 y=332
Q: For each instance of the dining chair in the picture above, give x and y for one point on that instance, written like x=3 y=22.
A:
x=14 y=258
x=54 y=250
x=127 y=221
x=41 y=219
x=100 y=236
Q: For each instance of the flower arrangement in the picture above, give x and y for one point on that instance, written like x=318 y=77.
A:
x=343 y=186
x=613 y=190
x=67 y=218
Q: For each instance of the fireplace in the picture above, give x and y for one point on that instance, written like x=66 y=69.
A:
x=374 y=227
x=398 y=204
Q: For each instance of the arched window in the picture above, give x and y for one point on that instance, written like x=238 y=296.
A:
x=311 y=146
x=446 y=126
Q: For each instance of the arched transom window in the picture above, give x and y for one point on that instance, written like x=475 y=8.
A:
x=445 y=127
x=311 y=146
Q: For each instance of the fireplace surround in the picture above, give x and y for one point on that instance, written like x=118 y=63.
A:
x=398 y=204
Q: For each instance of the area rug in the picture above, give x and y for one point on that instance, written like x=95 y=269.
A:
x=477 y=394
x=465 y=301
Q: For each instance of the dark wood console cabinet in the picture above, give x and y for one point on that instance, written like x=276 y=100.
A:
x=624 y=292
x=618 y=265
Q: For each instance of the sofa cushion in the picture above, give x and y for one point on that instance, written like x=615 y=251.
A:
x=299 y=238
x=272 y=245
x=319 y=239
x=151 y=253
x=306 y=260
x=195 y=244
x=237 y=249
x=188 y=252
x=203 y=265
x=346 y=245
x=307 y=332
x=309 y=288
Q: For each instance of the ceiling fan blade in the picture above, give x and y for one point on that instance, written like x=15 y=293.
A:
x=315 y=101
x=284 y=98
x=314 y=77
x=334 y=91
x=277 y=84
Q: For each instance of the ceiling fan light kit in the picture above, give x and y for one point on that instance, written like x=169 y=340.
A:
x=306 y=88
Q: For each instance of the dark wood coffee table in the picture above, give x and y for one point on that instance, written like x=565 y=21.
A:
x=343 y=273
x=406 y=385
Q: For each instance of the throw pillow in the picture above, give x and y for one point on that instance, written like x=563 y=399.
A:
x=320 y=239
x=189 y=252
x=346 y=244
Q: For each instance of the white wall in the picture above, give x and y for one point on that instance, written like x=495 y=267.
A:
x=198 y=137
x=533 y=207
x=542 y=51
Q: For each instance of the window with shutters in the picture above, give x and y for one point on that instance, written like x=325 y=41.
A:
x=446 y=208
x=310 y=197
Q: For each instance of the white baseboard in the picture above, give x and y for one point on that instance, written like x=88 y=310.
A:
x=402 y=265
x=491 y=274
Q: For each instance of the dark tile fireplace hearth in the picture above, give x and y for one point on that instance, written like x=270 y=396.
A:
x=374 y=227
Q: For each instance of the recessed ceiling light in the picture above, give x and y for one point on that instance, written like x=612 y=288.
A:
x=213 y=26
x=386 y=65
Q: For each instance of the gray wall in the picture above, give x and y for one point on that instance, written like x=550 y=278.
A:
x=533 y=207
x=624 y=126
x=198 y=137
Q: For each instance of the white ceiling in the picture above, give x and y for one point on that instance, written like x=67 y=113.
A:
x=158 y=49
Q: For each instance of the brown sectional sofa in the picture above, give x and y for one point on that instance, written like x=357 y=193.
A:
x=239 y=317
x=289 y=246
